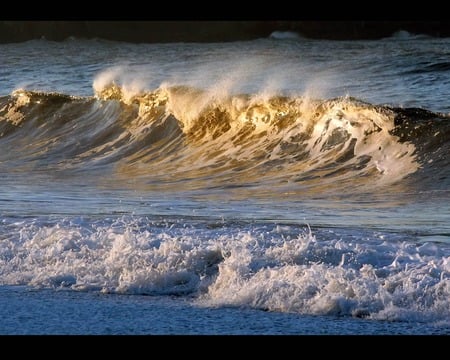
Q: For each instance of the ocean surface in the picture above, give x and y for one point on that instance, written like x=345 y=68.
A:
x=276 y=186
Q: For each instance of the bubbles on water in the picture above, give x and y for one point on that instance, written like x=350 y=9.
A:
x=285 y=268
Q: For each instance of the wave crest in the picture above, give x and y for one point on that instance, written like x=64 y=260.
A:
x=213 y=139
x=334 y=135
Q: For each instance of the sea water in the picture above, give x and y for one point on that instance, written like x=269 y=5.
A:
x=274 y=186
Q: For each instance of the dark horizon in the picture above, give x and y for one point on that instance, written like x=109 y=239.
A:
x=212 y=31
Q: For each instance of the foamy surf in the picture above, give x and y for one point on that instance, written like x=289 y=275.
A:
x=281 y=268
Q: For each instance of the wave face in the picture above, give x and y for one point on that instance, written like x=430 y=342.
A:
x=184 y=137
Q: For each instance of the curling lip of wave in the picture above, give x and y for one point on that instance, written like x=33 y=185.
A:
x=189 y=133
x=316 y=133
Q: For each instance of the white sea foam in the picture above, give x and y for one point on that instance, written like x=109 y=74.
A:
x=285 y=35
x=277 y=268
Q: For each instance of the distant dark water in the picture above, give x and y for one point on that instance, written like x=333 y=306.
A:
x=213 y=31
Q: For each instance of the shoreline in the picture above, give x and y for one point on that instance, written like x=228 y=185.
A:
x=212 y=31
